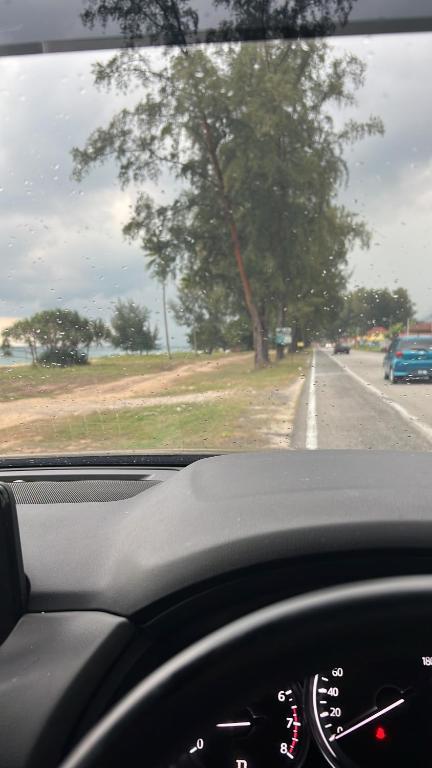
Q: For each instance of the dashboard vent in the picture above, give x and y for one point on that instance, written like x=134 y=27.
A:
x=77 y=491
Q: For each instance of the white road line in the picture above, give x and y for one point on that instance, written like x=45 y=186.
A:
x=414 y=421
x=311 y=419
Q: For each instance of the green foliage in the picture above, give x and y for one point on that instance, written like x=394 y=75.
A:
x=250 y=136
x=176 y=22
x=237 y=333
x=57 y=336
x=396 y=329
x=365 y=308
x=203 y=312
x=131 y=328
x=6 y=347
x=100 y=332
x=164 y=21
x=63 y=357
x=155 y=227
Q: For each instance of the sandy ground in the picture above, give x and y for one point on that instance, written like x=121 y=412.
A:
x=133 y=392
x=282 y=425
x=270 y=420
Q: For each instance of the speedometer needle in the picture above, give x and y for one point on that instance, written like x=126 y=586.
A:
x=367 y=720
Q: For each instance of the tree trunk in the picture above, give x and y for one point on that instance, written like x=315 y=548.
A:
x=33 y=352
x=165 y=314
x=195 y=340
x=280 y=350
x=259 y=335
x=295 y=335
x=260 y=342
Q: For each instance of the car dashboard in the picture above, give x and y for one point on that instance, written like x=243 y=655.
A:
x=127 y=566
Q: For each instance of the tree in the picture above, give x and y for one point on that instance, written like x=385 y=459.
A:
x=396 y=329
x=204 y=313
x=153 y=226
x=176 y=22
x=99 y=331
x=237 y=333
x=403 y=308
x=188 y=312
x=249 y=133
x=365 y=308
x=57 y=336
x=24 y=331
x=6 y=347
x=131 y=328
x=270 y=19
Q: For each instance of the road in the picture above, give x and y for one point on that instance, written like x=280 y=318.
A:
x=346 y=403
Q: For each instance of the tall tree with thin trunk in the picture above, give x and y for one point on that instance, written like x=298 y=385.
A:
x=248 y=133
x=153 y=226
x=165 y=317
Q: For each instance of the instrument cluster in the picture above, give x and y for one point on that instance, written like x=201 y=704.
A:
x=377 y=713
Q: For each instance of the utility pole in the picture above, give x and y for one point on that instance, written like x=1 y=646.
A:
x=165 y=315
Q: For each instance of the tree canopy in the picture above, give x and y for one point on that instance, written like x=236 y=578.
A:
x=209 y=327
x=249 y=134
x=177 y=22
x=57 y=336
x=131 y=329
x=365 y=308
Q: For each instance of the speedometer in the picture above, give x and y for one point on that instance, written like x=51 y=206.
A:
x=374 y=713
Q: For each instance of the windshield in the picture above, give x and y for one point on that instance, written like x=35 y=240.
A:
x=211 y=248
x=421 y=343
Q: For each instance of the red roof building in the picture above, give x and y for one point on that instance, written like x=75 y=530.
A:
x=420 y=328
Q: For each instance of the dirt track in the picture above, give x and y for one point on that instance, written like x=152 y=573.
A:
x=133 y=392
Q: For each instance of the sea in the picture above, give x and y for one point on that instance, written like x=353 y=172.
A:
x=21 y=355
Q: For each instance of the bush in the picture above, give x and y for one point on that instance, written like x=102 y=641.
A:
x=57 y=336
x=63 y=358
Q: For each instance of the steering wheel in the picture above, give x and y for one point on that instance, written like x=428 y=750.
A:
x=295 y=637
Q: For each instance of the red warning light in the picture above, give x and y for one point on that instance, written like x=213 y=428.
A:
x=380 y=733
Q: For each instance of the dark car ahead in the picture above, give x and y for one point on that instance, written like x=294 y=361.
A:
x=409 y=357
x=341 y=348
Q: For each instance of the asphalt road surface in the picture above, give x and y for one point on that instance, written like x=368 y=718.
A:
x=345 y=403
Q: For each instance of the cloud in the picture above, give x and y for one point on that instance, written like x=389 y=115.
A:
x=61 y=242
x=390 y=183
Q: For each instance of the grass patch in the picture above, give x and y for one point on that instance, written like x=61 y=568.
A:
x=240 y=374
x=239 y=419
x=134 y=429
x=21 y=381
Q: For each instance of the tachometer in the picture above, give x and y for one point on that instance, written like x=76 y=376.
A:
x=374 y=713
x=268 y=732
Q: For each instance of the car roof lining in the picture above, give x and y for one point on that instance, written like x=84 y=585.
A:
x=50 y=26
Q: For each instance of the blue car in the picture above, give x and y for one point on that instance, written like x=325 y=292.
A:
x=409 y=357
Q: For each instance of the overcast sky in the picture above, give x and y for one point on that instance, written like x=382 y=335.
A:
x=61 y=242
x=391 y=176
